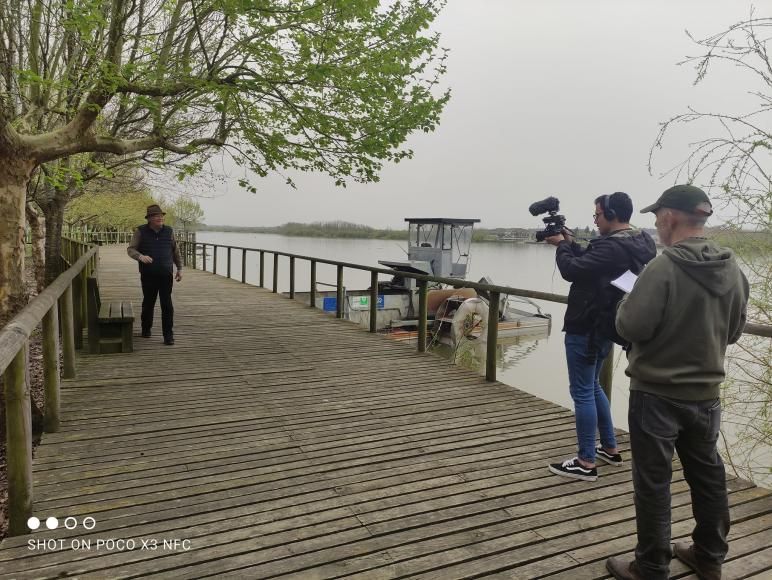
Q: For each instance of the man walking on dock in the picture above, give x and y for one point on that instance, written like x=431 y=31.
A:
x=686 y=306
x=589 y=323
x=155 y=248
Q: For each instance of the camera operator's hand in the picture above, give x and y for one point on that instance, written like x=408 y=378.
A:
x=555 y=240
x=568 y=235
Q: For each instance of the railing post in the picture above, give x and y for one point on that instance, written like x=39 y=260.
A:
x=275 y=272
x=340 y=298
x=83 y=277
x=312 y=292
x=77 y=320
x=607 y=373
x=243 y=265
x=203 y=254
x=51 y=369
x=292 y=277
x=229 y=262
x=18 y=444
x=422 y=314
x=493 y=333
x=214 y=258
x=68 y=333
x=373 y=301
x=262 y=269
x=83 y=300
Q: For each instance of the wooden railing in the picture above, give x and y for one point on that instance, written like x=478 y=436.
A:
x=191 y=258
x=190 y=254
x=95 y=237
x=61 y=308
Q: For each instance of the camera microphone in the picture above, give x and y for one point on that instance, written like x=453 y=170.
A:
x=551 y=204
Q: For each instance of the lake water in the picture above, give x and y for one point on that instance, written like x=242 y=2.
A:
x=536 y=365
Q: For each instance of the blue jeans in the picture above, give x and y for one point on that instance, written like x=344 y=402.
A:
x=591 y=405
x=659 y=425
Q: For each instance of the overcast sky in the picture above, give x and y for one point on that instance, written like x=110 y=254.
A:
x=549 y=97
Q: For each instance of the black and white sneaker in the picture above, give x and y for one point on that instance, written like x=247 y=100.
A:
x=572 y=468
x=612 y=459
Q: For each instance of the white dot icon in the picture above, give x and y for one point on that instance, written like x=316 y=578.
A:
x=33 y=523
x=52 y=523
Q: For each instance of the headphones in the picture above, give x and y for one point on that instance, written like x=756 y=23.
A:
x=608 y=211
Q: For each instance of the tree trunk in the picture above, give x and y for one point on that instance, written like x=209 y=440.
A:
x=37 y=225
x=14 y=174
x=54 y=210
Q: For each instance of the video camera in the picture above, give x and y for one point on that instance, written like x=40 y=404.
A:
x=553 y=223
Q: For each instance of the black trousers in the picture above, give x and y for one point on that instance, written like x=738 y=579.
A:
x=153 y=286
x=658 y=426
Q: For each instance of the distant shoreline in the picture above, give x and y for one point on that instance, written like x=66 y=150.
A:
x=345 y=230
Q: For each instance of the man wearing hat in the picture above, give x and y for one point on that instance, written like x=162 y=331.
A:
x=154 y=247
x=686 y=306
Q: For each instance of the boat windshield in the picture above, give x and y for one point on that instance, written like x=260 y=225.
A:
x=430 y=240
x=426 y=235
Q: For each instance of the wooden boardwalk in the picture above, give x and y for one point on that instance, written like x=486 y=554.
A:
x=273 y=441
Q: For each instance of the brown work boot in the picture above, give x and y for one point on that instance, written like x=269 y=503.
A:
x=622 y=569
x=704 y=570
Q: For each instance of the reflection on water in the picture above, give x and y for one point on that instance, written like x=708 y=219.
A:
x=470 y=353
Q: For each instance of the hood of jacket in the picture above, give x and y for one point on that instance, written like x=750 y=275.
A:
x=707 y=263
x=637 y=243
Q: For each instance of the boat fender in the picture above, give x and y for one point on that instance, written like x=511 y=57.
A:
x=472 y=313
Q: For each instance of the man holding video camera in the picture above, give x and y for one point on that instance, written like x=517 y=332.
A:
x=589 y=323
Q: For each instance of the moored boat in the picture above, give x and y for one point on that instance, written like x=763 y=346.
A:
x=437 y=247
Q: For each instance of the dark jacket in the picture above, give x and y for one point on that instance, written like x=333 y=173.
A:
x=161 y=246
x=592 y=300
x=685 y=308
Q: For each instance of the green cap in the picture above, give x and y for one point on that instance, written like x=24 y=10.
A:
x=686 y=198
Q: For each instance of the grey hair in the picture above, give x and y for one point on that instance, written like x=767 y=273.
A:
x=692 y=220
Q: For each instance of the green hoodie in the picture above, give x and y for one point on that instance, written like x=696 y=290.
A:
x=686 y=306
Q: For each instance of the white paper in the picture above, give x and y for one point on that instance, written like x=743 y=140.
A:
x=625 y=282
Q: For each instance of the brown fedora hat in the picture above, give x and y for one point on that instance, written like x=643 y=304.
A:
x=154 y=209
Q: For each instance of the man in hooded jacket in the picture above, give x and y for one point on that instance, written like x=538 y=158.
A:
x=686 y=306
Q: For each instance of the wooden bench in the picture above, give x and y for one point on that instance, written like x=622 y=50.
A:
x=110 y=325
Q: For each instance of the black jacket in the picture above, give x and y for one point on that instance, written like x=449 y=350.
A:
x=158 y=245
x=592 y=300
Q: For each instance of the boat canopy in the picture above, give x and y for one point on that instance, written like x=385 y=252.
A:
x=442 y=242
